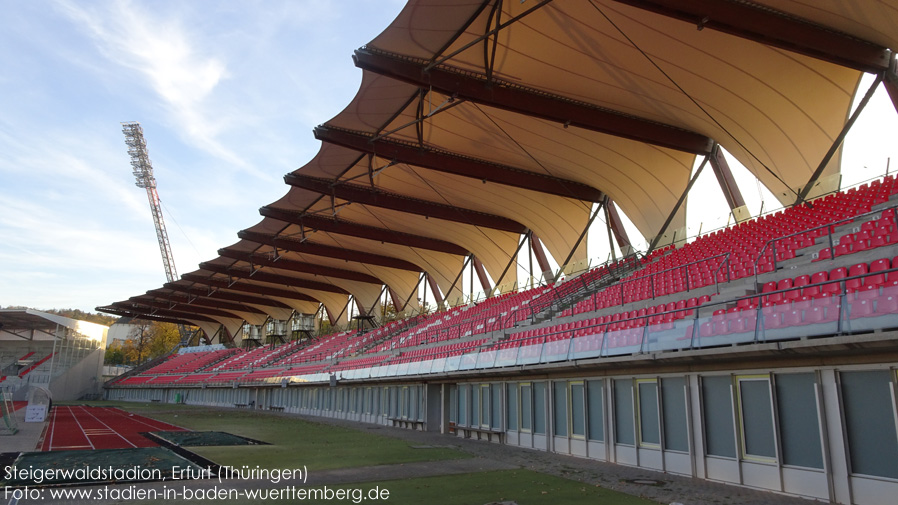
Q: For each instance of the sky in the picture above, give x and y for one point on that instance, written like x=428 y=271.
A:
x=227 y=93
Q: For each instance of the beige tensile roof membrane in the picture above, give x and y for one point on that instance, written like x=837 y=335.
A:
x=479 y=122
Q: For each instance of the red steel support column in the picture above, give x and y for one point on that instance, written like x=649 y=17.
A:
x=725 y=179
x=541 y=258
x=481 y=274
x=617 y=226
x=435 y=289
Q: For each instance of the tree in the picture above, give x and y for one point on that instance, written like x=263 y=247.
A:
x=149 y=340
x=115 y=354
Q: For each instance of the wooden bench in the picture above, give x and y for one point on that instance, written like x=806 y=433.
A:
x=241 y=405
x=278 y=408
x=399 y=422
x=479 y=433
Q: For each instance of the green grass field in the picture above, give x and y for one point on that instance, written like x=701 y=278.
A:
x=320 y=447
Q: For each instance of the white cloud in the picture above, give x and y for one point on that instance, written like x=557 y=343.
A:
x=163 y=52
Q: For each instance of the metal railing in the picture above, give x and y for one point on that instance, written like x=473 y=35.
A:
x=830 y=230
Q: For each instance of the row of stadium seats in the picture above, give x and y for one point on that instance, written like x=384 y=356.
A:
x=828 y=300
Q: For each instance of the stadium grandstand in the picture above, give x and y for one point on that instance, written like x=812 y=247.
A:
x=763 y=354
x=58 y=354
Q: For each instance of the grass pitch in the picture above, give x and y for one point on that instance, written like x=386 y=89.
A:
x=319 y=447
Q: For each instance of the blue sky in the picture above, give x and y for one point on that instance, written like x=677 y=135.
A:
x=227 y=93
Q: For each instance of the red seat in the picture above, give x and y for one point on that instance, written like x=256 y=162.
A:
x=838 y=273
x=815 y=315
x=819 y=277
x=860 y=308
x=792 y=318
x=887 y=305
x=852 y=285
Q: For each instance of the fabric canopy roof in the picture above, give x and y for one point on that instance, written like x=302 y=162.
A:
x=479 y=122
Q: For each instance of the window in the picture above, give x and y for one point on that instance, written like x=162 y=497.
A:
x=463 y=405
x=649 y=418
x=475 y=406
x=673 y=407
x=526 y=406
x=404 y=402
x=511 y=412
x=717 y=408
x=867 y=400
x=496 y=411
x=560 y=408
x=596 y=409
x=485 y=405
x=756 y=417
x=453 y=404
x=578 y=414
x=799 y=422
x=539 y=408
x=623 y=412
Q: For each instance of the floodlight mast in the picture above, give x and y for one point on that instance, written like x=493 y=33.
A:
x=143 y=173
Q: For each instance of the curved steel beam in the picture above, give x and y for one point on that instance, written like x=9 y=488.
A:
x=456 y=164
x=316 y=249
x=343 y=227
x=299 y=266
x=217 y=293
x=773 y=28
x=249 y=288
x=530 y=102
x=379 y=198
x=262 y=276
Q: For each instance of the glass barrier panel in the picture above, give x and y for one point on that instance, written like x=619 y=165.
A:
x=413 y=367
x=427 y=366
x=869 y=310
x=401 y=369
x=453 y=363
x=669 y=335
x=507 y=354
x=714 y=330
x=486 y=358
x=530 y=351
x=391 y=369
x=468 y=361
x=623 y=341
x=438 y=365
x=556 y=348
x=587 y=346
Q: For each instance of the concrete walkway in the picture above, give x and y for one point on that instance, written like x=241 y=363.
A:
x=670 y=488
x=27 y=437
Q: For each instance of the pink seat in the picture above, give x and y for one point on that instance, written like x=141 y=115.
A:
x=860 y=308
x=815 y=315
x=887 y=305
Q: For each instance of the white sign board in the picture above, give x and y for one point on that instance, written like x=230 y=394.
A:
x=35 y=413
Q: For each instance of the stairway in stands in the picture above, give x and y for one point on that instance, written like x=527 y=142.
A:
x=573 y=290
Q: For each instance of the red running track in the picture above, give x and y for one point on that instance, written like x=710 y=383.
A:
x=86 y=428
